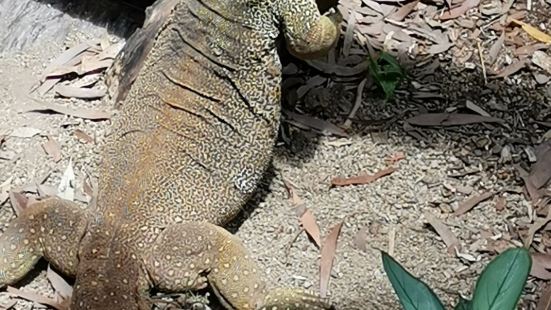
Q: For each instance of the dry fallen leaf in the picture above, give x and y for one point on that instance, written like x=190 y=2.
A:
x=18 y=202
x=394 y=158
x=450 y=119
x=81 y=93
x=459 y=10
x=327 y=256
x=80 y=113
x=501 y=203
x=52 y=148
x=511 y=69
x=472 y=202
x=308 y=122
x=310 y=225
x=538 y=224
x=533 y=31
x=544 y=303
x=61 y=287
x=293 y=196
x=540 y=265
x=24 y=132
x=66 y=188
x=542 y=60
x=34 y=297
x=445 y=233
x=362 y=179
x=495 y=49
x=82 y=136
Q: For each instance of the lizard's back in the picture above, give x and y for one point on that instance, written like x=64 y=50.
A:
x=198 y=125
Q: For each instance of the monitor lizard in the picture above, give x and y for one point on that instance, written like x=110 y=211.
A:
x=194 y=136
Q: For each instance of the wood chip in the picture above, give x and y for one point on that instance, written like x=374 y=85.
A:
x=310 y=225
x=328 y=251
x=362 y=179
x=82 y=136
x=542 y=60
x=472 y=202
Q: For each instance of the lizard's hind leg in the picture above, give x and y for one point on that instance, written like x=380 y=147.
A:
x=51 y=228
x=188 y=255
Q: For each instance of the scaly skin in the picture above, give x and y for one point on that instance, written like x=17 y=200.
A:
x=193 y=139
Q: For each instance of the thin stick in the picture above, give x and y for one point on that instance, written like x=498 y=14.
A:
x=482 y=63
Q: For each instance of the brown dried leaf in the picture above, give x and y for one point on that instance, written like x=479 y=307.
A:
x=327 y=256
x=362 y=179
x=445 y=233
x=310 y=225
x=537 y=225
x=308 y=122
x=540 y=172
x=61 y=287
x=394 y=158
x=542 y=60
x=513 y=68
x=450 y=119
x=501 y=203
x=293 y=196
x=53 y=149
x=18 y=202
x=82 y=136
x=403 y=11
x=472 y=202
x=81 y=93
x=459 y=10
x=495 y=49
x=544 y=303
x=540 y=265
x=80 y=113
x=35 y=297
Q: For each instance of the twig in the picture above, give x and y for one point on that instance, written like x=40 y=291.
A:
x=482 y=63
x=290 y=245
x=357 y=103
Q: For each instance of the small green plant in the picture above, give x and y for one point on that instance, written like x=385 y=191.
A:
x=387 y=73
x=498 y=288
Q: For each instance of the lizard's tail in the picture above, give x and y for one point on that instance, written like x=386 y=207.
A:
x=294 y=299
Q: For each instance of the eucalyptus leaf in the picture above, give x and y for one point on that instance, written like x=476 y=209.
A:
x=412 y=292
x=500 y=285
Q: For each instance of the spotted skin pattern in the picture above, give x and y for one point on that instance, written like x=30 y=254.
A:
x=194 y=137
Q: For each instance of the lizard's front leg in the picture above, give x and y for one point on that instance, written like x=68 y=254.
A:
x=308 y=34
x=51 y=228
x=188 y=255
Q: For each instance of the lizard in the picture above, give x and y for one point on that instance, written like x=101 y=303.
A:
x=192 y=139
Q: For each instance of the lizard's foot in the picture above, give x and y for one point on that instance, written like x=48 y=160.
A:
x=288 y=298
x=51 y=228
x=185 y=253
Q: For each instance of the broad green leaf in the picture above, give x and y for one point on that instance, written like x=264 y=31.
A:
x=463 y=304
x=501 y=283
x=412 y=292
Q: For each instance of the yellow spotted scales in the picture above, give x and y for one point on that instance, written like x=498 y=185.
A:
x=193 y=138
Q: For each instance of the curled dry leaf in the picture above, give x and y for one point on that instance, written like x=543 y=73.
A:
x=362 y=179
x=310 y=225
x=445 y=233
x=328 y=251
x=472 y=202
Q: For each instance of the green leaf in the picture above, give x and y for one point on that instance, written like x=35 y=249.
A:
x=412 y=292
x=387 y=73
x=463 y=304
x=501 y=283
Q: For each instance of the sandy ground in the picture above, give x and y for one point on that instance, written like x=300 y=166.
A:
x=389 y=214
